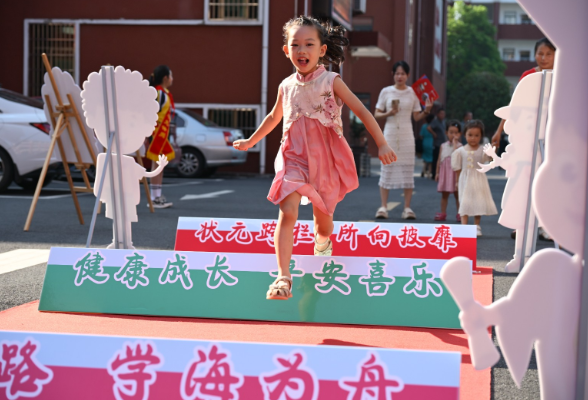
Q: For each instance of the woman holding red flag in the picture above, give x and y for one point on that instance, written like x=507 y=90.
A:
x=161 y=79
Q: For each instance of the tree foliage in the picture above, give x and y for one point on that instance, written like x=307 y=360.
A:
x=483 y=92
x=472 y=50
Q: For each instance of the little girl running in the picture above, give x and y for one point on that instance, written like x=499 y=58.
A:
x=474 y=190
x=314 y=163
x=445 y=174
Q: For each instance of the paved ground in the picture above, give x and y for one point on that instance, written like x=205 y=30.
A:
x=55 y=224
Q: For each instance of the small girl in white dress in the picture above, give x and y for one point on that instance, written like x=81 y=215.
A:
x=474 y=191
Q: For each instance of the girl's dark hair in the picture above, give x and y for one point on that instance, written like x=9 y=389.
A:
x=474 y=123
x=453 y=123
x=402 y=64
x=332 y=36
x=545 y=42
x=158 y=74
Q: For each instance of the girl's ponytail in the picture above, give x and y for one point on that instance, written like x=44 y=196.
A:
x=336 y=42
x=158 y=74
x=332 y=36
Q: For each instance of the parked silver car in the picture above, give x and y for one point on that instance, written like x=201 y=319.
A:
x=205 y=145
x=24 y=141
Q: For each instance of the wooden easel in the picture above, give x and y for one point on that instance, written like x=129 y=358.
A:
x=61 y=119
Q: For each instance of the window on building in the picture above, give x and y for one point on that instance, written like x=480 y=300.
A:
x=240 y=118
x=508 y=54
x=525 y=20
x=55 y=40
x=525 y=55
x=510 y=17
x=362 y=23
x=231 y=10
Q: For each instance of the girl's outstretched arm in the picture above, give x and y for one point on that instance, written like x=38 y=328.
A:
x=268 y=125
x=385 y=152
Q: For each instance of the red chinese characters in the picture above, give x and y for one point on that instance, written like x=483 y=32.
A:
x=20 y=372
x=373 y=381
x=292 y=381
x=443 y=239
x=134 y=371
x=267 y=233
x=302 y=234
x=240 y=234
x=380 y=236
x=348 y=233
x=210 y=376
x=208 y=231
x=409 y=237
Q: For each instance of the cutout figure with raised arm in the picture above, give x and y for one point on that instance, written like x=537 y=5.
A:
x=137 y=115
x=521 y=118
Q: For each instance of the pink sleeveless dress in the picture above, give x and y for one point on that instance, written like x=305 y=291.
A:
x=314 y=158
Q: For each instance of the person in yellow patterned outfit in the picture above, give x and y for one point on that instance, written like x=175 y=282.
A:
x=161 y=79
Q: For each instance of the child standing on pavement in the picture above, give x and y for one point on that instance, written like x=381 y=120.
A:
x=314 y=163
x=427 y=148
x=474 y=190
x=445 y=175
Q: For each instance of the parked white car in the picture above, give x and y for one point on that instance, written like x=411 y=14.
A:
x=205 y=145
x=24 y=140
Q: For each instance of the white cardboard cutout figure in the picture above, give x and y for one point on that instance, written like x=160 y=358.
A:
x=521 y=121
x=543 y=305
x=66 y=85
x=137 y=116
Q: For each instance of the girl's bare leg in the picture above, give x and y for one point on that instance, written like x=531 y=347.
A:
x=444 y=198
x=383 y=196
x=464 y=219
x=323 y=225
x=456 y=194
x=284 y=234
x=477 y=219
x=407 y=197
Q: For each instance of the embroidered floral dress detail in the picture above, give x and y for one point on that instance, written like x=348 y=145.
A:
x=300 y=95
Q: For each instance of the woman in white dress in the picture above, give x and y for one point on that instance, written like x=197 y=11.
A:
x=397 y=104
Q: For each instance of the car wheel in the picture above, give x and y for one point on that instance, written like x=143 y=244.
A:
x=192 y=164
x=31 y=183
x=6 y=170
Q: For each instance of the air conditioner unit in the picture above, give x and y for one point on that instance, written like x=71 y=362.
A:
x=359 y=6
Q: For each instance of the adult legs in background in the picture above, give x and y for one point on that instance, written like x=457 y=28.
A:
x=283 y=236
x=384 y=196
x=407 y=197
x=155 y=188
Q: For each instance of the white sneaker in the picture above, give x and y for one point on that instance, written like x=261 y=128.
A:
x=478 y=230
x=160 y=202
x=408 y=214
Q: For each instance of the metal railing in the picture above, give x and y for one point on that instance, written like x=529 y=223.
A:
x=233 y=10
x=240 y=118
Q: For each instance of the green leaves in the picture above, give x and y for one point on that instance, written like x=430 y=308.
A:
x=474 y=65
